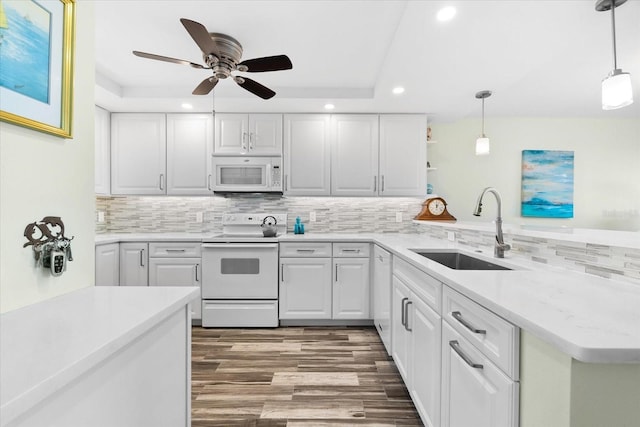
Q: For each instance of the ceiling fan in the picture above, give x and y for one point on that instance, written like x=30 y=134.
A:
x=221 y=53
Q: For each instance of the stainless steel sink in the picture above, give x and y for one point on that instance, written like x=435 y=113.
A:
x=460 y=261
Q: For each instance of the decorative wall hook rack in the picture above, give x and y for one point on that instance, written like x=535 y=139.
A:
x=51 y=248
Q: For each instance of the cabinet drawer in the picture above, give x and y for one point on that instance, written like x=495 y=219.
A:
x=496 y=338
x=318 y=249
x=426 y=287
x=351 y=250
x=175 y=249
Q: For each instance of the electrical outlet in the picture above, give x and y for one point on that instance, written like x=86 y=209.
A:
x=398 y=216
x=312 y=216
x=100 y=216
x=451 y=236
x=199 y=216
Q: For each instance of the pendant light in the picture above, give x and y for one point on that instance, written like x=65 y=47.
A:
x=482 y=143
x=616 y=87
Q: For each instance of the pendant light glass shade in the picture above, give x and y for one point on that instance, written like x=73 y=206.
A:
x=482 y=146
x=617 y=91
x=482 y=143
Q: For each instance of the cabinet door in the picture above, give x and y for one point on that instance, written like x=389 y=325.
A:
x=424 y=361
x=108 y=265
x=189 y=149
x=177 y=272
x=351 y=288
x=232 y=134
x=481 y=396
x=354 y=155
x=138 y=153
x=306 y=155
x=265 y=134
x=102 y=151
x=305 y=288
x=403 y=155
x=399 y=334
x=382 y=294
x=133 y=264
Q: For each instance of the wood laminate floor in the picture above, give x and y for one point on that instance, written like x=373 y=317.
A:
x=296 y=377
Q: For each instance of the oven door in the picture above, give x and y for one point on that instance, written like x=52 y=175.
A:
x=239 y=270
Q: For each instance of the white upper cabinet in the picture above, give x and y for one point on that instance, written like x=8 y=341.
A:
x=189 y=150
x=138 y=153
x=307 y=155
x=256 y=134
x=102 y=151
x=354 y=155
x=403 y=155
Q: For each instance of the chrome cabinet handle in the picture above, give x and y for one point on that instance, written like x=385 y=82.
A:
x=251 y=138
x=351 y=250
x=406 y=323
x=458 y=316
x=336 y=272
x=286 y=178
x=282 y=273
x=141 y=257
x=197 y=265
x=382 y=186
x=162 y=181
x=375 y=183
x=175 y=250
x=209 y=182
x=244 y=140
x=306 y=250
x=456 y=347
x=402 y=315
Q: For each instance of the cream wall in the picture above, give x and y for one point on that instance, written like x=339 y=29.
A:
x=42 y=175
x=606 y=175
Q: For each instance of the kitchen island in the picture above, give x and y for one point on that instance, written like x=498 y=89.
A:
x=98 y=356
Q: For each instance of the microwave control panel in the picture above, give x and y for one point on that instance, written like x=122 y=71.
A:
x=276 y=176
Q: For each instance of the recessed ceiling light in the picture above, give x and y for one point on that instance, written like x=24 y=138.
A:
x=398 y=90
x=187 y=106
x=329 y=106
x=446 y=13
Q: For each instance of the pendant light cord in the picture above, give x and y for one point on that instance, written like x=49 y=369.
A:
x=613 y=30
x=483 y=117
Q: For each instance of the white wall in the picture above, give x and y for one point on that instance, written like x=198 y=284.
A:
x=606 y=175
x=42 y=175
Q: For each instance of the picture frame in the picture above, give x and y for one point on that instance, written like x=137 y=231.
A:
x=37 y=52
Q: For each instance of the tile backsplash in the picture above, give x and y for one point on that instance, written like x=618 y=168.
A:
x=333 y=214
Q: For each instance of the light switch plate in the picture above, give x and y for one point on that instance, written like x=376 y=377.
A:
x=199 y=216
x=398 y=216
x=100 y=216
x=312 y=216
x=451 y=236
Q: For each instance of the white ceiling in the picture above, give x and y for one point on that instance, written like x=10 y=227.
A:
x=540 y=58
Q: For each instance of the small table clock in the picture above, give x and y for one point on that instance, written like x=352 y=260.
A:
x=435 y=209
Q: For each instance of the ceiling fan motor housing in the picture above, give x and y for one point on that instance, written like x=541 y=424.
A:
x=230 y=51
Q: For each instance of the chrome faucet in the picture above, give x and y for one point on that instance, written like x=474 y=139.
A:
x=500 y=246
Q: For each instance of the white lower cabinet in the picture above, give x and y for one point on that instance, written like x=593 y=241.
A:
x=416 y=350
x=350 y=286
x=108 y=264
x=305 y=288
x=177 y=272
x=474 y=391
x=134 y=265
x=381 y=294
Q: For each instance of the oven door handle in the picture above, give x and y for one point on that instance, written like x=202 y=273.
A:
x=239 y=246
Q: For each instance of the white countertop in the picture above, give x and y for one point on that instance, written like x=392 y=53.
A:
x=590 y=318
x=47 y=345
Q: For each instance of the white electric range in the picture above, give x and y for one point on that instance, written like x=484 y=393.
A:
x=240 y=272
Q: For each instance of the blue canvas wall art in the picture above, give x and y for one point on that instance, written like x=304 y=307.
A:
x=25 y=48
x=547 y=184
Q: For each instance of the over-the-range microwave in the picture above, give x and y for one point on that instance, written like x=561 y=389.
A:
x=247 y=174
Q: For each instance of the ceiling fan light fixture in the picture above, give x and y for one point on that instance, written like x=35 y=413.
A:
x=617 y=91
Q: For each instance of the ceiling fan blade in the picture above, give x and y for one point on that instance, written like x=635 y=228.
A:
x=267 y=63
x=201 y=36
x=254 y=87
x=206 y=86
x=166 y=59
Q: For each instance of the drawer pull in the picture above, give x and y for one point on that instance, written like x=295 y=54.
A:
x=456 y=347
x=141 y=257
x=306 y=250
x=406 y=323
x=196 y=266
x=175 y=250
x=458 y=316
x=351 y=250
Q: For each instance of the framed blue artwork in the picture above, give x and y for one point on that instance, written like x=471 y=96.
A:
x=547 y=184
x=36 y=53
